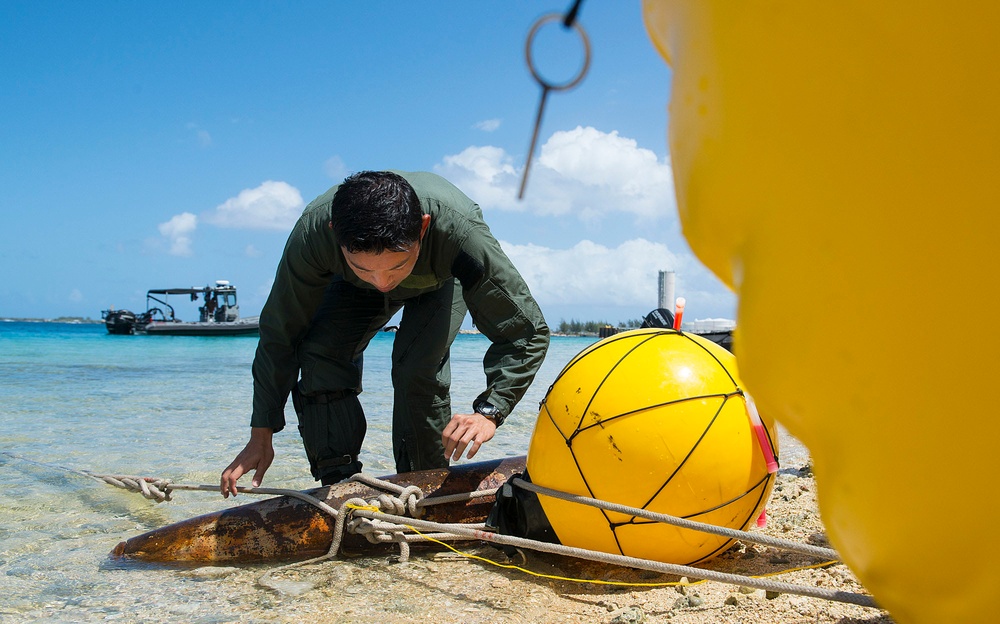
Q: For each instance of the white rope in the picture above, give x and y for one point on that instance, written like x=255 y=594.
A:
x=633 y=562
x=378 y=526
x=374 y=529
x=755 y=538
x=454 y=498
x=154 y=489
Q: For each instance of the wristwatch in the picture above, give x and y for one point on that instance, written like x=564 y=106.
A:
x=490 y=411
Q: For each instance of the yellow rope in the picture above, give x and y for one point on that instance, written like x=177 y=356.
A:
x=554 y=577
x=824 y=564
x=365 y=507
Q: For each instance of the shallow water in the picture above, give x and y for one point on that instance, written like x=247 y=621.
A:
x=74 y=398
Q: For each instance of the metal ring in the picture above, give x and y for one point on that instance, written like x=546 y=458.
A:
x=545 y=19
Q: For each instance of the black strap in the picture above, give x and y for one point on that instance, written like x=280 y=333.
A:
x=333 y=462
x=322 y=398
x=300 y=400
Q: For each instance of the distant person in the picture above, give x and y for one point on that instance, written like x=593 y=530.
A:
x=377 y=243
x=211 y=304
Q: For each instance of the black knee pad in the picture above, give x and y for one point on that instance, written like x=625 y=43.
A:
x=332 y=429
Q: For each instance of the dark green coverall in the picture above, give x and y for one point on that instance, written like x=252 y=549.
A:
x=320 y=317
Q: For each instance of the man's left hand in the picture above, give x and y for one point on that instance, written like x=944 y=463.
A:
x=466 y=430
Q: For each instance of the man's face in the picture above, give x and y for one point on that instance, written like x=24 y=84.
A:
x=384 y=270
x=388 y=269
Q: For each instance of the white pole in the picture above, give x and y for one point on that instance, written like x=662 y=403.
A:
x=666 y=290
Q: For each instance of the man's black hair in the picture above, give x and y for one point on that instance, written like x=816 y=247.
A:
x=376 y=211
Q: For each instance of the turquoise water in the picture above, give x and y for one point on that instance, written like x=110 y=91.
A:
x=73 y=397
x=174 y=407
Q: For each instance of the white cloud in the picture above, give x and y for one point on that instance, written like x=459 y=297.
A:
x=75 y=295
x=487 y=125
x=625 y=277
x=251 y=251
x=264 y=290
x=177 y=230
x=485 y=173
x=630 y=178
x=203 y=137
x=583 y=171
x=590 y=272
x=270 y=206
x=335 y=168
x=608 y=183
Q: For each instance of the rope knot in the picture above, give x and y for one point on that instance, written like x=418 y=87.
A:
x=152 y=488
x=404 y=503
x=394 y=500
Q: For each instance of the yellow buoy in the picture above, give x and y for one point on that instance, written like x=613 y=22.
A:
x=836 y=164
x=654 y=419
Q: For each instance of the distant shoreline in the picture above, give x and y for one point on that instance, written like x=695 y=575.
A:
x=72 y=320
x=76 y=320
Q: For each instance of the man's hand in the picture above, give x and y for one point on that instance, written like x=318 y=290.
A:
x=256 y=455
x=472 y=430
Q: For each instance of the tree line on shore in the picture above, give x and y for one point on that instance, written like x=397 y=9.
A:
x=593 y=327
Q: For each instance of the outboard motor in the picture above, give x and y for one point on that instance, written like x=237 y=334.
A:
x=121 y=322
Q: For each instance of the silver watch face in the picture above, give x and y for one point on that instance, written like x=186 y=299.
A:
x=486 y=409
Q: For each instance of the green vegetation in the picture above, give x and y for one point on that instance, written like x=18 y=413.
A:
x=592 y=327
x=61 y=319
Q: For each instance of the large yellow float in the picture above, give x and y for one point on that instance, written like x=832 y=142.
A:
x=653 y=419
x=836 y=164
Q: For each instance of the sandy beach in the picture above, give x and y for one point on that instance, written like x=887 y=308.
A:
x=442 y=586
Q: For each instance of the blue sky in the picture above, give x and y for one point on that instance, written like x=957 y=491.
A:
x=152 y=145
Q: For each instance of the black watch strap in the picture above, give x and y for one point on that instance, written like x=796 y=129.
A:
x=490 y=411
